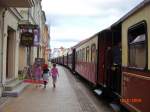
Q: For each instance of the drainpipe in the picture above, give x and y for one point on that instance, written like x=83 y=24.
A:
x=2 y=53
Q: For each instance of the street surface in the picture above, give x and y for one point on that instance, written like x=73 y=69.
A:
x=70 y=95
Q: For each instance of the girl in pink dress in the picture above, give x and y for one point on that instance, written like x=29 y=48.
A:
x=54 y=73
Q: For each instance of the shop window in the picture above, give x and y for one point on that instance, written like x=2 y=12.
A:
x=137 y=46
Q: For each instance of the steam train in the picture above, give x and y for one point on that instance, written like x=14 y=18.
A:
x=117 y=59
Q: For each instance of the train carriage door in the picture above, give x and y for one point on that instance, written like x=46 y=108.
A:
x=73 y=59
x=100 y=60
x=116 y=62
x=67 y=59
x=108 y=59
x=93 y=61
x=105 y=41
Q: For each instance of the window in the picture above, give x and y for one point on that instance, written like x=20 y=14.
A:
x=82 y=55
x=80 y=58
x=93 y=53
x=87 y=54
x=83 y=52
x=137 y=46
x=77 y=55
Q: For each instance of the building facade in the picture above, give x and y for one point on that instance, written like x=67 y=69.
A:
x=13 y=55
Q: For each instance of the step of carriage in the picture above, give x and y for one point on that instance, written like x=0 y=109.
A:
x=98 y=92
x=115 y=107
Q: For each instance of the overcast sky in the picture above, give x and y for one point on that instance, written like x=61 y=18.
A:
x=71 y=21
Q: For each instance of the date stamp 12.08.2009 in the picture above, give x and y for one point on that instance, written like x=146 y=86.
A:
x=131 y=100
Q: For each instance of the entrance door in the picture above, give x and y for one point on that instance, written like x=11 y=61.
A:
x=10 y=59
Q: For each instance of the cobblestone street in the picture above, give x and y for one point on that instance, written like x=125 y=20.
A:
x=69 y=96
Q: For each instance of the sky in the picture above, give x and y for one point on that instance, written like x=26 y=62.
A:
x=72 y=21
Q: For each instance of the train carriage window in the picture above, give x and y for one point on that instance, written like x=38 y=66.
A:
x=137 y=46
x=93 y=53
x=77 y=55
x=87 y=54
x=83 y=55
x=80 y=55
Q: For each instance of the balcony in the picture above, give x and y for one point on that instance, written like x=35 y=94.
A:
x=17 y=3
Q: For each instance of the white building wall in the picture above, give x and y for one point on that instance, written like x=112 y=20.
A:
x=1 y=26
x=13 y=23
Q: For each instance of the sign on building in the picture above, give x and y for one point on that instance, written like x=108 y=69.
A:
x=39 y=61
x=27 y=39
x=30 y=35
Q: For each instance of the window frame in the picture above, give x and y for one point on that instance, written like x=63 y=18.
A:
x=93 y=61
x=144 y=23
x=83 y=54
x=87 y=56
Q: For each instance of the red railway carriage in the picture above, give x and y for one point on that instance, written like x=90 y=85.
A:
x=65 y=59
x=60 y=60
x=123 y=70
x=86 y=59
x=70 y=54
x=54 y=60
x=136 y=58
x=71 y=59
x=92 y=61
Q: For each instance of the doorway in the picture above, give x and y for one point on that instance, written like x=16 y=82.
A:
x=10 y=56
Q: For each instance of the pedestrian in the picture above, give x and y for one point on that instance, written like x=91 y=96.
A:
x=45 y=74
x=55 y=74
x=37 y=74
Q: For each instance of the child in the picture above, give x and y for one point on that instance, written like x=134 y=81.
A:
x=54 y=73
x=45 y=74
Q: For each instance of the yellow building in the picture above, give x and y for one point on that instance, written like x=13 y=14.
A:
x=46 y=44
